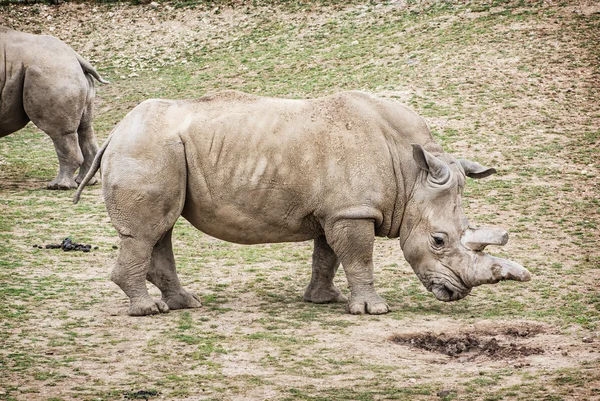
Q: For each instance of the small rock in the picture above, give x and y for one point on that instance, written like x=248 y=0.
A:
x=587 y=340
x=154 y=4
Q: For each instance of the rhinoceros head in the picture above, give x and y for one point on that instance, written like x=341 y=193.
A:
x=437 y=241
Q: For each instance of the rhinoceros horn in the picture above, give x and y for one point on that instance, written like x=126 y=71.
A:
x=478 y=239
x=490 y=269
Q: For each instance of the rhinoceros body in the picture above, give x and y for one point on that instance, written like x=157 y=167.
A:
x=44 y=81
x=339 y=170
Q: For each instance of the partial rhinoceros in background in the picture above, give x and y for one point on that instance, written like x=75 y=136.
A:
x=339 y=170
x=44 y=81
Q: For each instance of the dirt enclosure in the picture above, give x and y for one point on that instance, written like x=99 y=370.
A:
x=511 y=84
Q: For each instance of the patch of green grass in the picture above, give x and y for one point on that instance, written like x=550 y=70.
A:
x=486 y=78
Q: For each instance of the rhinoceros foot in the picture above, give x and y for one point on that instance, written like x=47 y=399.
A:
x=323 y=295
x=372 y=304
x=182 y=300
x=147 y=306
x=62 y=183
x=80 y=178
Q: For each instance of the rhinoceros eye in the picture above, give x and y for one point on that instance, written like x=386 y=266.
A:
x=438 y=241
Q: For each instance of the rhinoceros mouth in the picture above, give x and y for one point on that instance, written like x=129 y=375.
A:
x=446 y=293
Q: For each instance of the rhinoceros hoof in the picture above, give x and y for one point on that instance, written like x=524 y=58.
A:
x=147 y=306
x=62 y=184
x=183 y=300
x=324 y=295
x=92 y=181
x=372 y=307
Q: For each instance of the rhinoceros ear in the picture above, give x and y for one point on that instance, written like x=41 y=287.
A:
x=439 y=173
x=476 y=170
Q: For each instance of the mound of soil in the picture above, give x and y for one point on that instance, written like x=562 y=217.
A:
x=473 y=343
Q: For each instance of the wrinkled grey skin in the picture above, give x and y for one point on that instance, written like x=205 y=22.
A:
x=44 y=81
x=339 y=170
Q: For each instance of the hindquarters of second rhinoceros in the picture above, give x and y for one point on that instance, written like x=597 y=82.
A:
x=48 y=85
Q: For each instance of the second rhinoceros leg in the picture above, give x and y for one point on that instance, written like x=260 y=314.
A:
x=324 y=266
x=87 y=144
x=55 y=105
x=162 y=273
x=69 y=159
x=352 y=240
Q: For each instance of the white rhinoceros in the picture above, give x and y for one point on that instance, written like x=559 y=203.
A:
x=44 y=81
x=339 y=170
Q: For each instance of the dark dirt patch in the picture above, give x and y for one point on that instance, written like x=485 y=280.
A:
x=522 y=332
x=473 y=344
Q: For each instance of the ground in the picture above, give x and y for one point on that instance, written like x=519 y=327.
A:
x=511 y=84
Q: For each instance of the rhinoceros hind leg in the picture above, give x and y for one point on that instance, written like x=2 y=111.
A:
x=162 y=273
x=69 y=159
x=144 y=197
x=87 y=144
x=352 y=240
x=325 y=263
x=129 y=274
x=56 y=108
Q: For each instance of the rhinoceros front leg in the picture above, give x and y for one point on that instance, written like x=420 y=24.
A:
x=352 y=240
x=162 y=273
x=69 y=160
x=324 y=266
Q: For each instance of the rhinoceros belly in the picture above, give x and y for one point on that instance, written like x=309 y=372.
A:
x=249 y=181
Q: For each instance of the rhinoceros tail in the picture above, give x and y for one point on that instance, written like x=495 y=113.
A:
x=93 y=169
x=89 y=69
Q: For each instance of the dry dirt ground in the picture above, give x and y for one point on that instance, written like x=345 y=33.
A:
x=529 y=103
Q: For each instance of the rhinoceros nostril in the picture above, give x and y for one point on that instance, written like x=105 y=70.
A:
x=441 y=292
